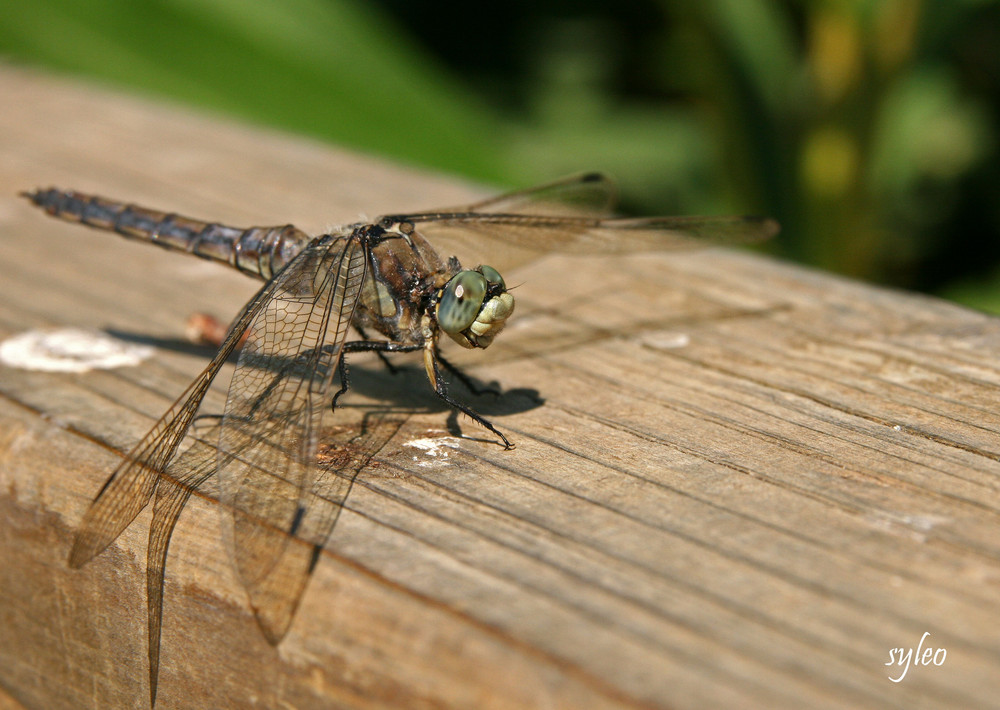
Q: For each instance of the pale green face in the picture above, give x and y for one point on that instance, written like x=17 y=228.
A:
x=474 y=306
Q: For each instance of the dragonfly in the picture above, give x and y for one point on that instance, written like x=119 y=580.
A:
x=324 y=298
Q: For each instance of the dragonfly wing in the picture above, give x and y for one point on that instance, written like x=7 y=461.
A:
x=186 y=474
x=508 y=240
x=573 y=216
x=278 y=397
x=342 y=456
x=576 y=195
x=130 y=486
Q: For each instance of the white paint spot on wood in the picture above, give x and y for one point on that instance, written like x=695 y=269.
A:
x=915 y=527
x=70 y=350
x=436 y=449
x=666 y=340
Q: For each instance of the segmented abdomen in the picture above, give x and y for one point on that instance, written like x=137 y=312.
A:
x=261 y=251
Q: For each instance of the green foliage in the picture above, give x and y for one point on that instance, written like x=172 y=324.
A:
x=867 y=127
x=853 y=122
x=336 y=70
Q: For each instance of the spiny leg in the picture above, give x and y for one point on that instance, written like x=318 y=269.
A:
x=342 y=368
x=379 y=347
x=440 y=387
x=462 y=377
x=381 y=353
x=441 y=390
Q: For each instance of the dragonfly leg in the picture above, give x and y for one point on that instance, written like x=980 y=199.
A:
x=379 y=347
x=441 y=390
x=381 y=353
x=462 y=377
x=342 y=368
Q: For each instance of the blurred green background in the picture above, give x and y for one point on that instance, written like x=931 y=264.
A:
x=867 y=127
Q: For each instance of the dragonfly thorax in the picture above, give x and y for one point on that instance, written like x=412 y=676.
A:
x=473 y=306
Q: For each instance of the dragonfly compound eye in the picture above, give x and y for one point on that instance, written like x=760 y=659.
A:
x=493 y=276
x=474 y=306
x=460 y=302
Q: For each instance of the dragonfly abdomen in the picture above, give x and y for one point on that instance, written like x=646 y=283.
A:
x=261 y=251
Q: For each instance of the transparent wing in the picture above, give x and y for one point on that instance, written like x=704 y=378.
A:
x=186 y=474
x=569 y=216
x=576 y=195
x=345 y=452
x=278 y=397
x=130 y=486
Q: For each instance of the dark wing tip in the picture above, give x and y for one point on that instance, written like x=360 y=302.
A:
x=769 y=227
x=85 y=548
x=273 y=628
x=763 y=227
x=594 y=177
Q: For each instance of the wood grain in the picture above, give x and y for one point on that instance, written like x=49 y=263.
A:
x=737 y=482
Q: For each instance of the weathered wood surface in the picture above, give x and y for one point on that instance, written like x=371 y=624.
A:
x=740 y=484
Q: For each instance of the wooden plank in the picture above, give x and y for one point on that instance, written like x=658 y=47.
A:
x=736 y=483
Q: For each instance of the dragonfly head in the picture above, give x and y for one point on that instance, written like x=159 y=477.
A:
x=474 y=306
